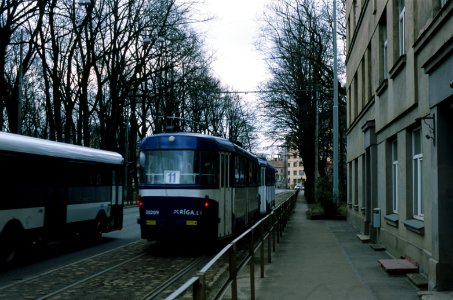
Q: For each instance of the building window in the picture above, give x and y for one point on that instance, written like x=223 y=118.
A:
x=355 y=12
x=401 y=26
x=356 y=182
x=369 y=72
x=294 y=164
x=417 y=158
x=355 y=97
x=443 y=2
x=383 y=56
x=395 y=176
x=300 y=164
x=295 y=173
x=363 y=83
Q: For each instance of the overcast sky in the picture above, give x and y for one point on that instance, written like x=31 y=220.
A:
x=231 y=35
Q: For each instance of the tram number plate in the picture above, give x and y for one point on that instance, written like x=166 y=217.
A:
x=172 y=177
x=151 y=222
x=191 y=222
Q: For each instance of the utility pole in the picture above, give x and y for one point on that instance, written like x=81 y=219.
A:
x=335 y=107
x=20 y=84
x=316 y=144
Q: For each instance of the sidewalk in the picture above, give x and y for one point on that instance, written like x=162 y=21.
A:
x=324 y=259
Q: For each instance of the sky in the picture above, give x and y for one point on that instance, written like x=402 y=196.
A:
x=231 y=36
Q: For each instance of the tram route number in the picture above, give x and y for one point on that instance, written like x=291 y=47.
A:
x=172 y=177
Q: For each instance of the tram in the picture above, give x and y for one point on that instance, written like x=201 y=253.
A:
x=196 y=186
x=51 y=191
x=266 y=186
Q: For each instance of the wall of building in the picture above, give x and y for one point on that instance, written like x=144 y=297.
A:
x=392 y=94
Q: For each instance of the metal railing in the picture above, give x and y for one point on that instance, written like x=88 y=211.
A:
x=213 y=280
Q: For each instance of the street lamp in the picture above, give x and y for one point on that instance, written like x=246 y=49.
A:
x=21 y=80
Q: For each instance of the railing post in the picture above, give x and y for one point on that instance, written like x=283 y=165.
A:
x=269 y=247
x=199 y=288
x=252 y=265
x=262 y=245
x=233 y=272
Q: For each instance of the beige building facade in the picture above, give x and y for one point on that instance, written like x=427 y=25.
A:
x=295 y=169
x=400 y=129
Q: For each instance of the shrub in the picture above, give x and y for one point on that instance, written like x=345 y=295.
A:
x=325 y=196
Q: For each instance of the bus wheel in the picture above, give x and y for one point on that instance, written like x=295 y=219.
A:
x=10 y=247
x=99 y=227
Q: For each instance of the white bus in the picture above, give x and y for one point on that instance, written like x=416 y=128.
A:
x=50 y=191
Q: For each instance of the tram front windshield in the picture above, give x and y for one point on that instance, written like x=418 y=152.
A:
x=158 y=167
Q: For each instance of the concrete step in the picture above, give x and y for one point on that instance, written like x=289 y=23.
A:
x=364 y=238
x=398 y=266
x=418 y=279
x=377 y=247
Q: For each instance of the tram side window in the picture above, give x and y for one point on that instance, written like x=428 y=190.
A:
x=239 y=171
x=208 y=167
x=253 y=173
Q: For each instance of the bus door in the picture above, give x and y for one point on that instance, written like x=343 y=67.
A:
x=56 y=201
x=225 y=210
x=117 y=200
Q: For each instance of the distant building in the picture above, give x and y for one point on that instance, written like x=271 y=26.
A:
x=400 y=129
x=295 y=169
x=290 y=169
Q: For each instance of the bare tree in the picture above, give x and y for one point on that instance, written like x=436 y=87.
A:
x=297 y=39
x=15 y=59
x=105 y=73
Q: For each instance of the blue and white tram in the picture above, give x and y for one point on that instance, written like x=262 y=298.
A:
x=196 y=186
x=52 y=190
x=266 y=186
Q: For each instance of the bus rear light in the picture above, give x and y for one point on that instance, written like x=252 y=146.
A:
x=206 y=204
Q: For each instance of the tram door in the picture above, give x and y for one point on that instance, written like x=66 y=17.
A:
x=225 y=210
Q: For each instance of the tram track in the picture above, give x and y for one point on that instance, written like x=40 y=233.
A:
x=176 y=279
x=133 y=271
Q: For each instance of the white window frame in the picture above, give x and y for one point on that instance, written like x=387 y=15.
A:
x=417 y=172
x=384 y=50
x=401 y=26
x=385 y=54
x=395 y=201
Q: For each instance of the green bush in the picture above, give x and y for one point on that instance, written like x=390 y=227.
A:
x=325 y=196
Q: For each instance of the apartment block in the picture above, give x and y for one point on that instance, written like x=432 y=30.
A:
x=400 y=129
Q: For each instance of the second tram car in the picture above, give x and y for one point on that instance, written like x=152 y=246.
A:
x=194 y=185
x=266 y=186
